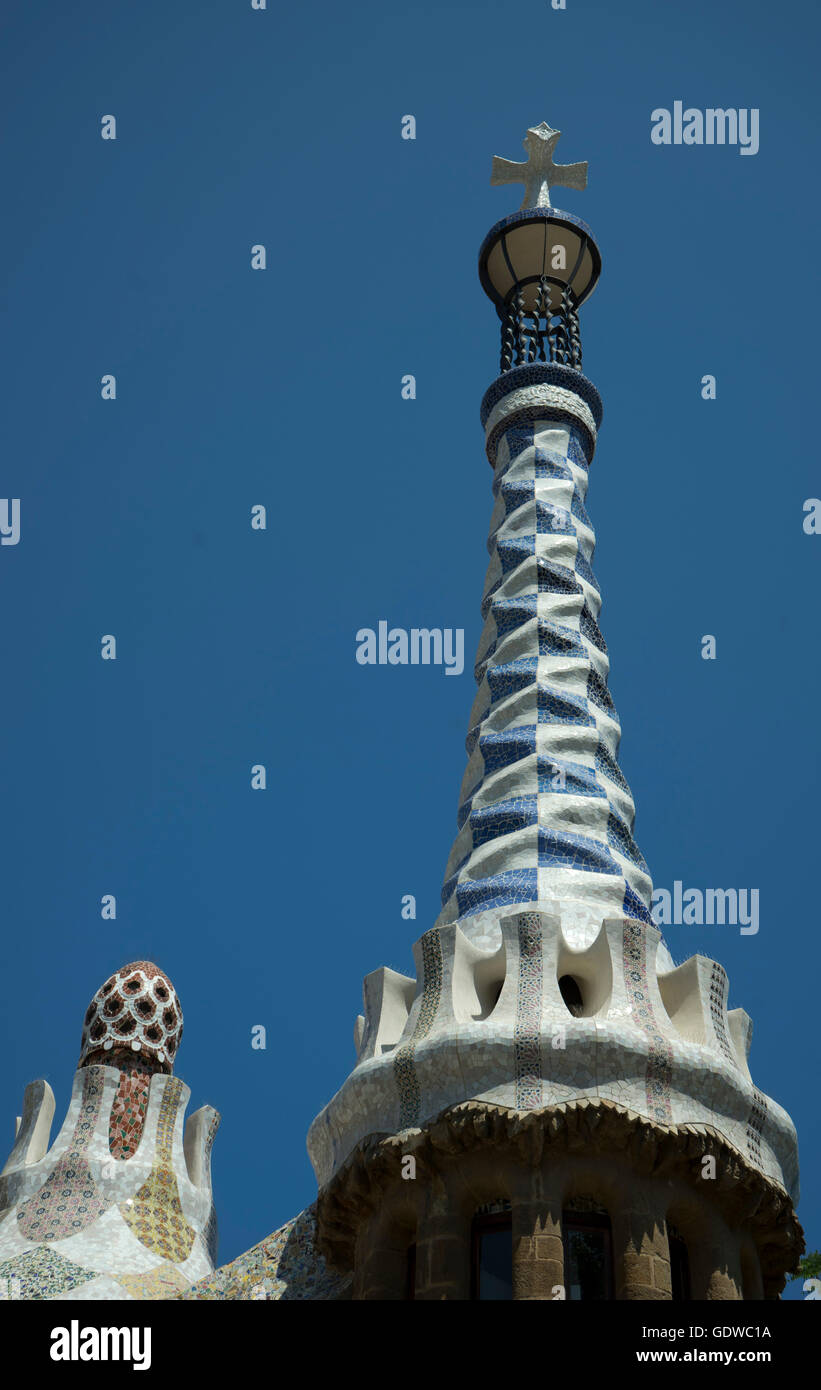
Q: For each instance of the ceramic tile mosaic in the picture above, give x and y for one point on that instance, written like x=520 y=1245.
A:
x=137 y=1009
x=103 y=1289
x=543 y=781
x=528 y=1035
x=155 y=1215
x=118 y=1207
x=128 y=1112
x=718 y=1009
x=209 y=1235
x=403 y=1063
x=545 y=822
x=755 y=1125
x=165 y=1281
x=69 y=1200
x=285 y=1267
x=42 y=1273
x=658 y=1077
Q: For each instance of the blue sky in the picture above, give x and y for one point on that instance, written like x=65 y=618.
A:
x=235 y=387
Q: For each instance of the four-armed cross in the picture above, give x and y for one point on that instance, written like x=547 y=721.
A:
x=539 y=174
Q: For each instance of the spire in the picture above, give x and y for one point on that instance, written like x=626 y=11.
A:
x=547 y=1034
x=544 y=812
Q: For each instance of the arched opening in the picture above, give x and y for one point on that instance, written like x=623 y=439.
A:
x=571 y=993
x=588 y=1252
x=679 y=1266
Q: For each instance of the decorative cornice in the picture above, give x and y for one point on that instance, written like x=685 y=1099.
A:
x=549 y=373
x=485 y=1020
x=544 y=391
x=528 y=1139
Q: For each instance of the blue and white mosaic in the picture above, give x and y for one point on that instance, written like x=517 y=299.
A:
x=544 y=810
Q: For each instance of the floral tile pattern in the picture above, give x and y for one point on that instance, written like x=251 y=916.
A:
x=155 y=1215
x=42 y=1273
x=69 y=1200
x=163 y=1282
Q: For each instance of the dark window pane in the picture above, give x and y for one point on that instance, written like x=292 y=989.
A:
x=679 y=1270
x=492 y=1260
x=587 y=1263
x=496 y=1264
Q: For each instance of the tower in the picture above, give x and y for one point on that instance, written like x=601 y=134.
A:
x=551 y=1108
x=120 y=1205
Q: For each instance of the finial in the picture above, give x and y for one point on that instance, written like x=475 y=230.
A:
x=137 y=1012
x=539 y=174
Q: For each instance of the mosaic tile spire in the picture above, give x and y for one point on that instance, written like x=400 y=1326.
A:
x=544 y=987
x=544 y=812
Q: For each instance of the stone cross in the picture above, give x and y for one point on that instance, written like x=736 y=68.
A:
x=539 y=173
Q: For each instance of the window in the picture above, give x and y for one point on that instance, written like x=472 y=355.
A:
x=492 y=1257
x=588 y=1260
x=679 y=1266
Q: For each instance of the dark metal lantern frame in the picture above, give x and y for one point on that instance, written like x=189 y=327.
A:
x=538 y=304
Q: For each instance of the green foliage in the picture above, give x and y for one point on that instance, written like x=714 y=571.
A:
x=809 y=1267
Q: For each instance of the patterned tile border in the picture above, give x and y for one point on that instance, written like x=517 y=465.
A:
x=755 y=1126
x=527 y=1032
x=128 y=1113
x=404 y=1065
x=718 y=1004
x=155 y=1215
x=659 y=1073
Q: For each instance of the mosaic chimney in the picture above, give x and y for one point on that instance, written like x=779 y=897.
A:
x=120 y=1205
